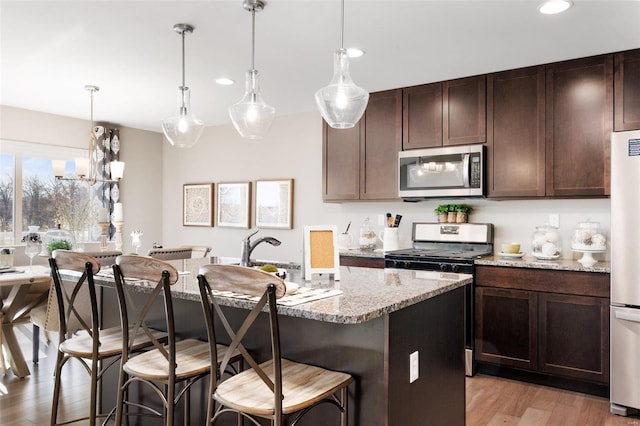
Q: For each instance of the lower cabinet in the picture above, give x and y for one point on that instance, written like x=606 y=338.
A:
x=544 y=321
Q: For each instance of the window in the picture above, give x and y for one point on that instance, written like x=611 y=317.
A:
x=31 y=196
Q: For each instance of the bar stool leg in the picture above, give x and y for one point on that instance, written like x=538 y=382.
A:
x=344 y=397
x=56 y=389
x=35 y=335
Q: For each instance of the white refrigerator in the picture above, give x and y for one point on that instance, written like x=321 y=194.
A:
x=625 y=272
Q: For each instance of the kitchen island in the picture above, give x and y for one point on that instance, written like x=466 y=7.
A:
x=369 y=330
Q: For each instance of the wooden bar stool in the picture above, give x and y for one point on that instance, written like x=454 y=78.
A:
x=274 y=389
x=174 y=253
x=81 y=334
x=166 y=365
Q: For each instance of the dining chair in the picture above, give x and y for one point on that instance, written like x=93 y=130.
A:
x=183 y=361
x=3 y=363
x=278 y=388
x=174 y=253
x=45 y=315
x=198 y=252
x=82 y=338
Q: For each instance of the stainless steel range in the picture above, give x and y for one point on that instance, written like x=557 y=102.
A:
x=448 y=247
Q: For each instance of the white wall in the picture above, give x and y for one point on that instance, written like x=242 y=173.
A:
x=293 y=149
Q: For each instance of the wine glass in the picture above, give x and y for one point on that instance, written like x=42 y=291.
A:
x=32 y=249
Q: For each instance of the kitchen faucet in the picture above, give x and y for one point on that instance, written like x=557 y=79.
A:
x=248 y=246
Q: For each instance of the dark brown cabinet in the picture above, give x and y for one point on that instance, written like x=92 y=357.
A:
x=422 y=116
x=361 y=163
x=506 y=327
x=464 y=111
x=579 y=122
x=544 y=321
x=515 y=133
x=627 y=91
x=445 y=113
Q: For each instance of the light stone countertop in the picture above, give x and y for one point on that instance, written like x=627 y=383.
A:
x=531 y=262
x=527 y=261
x=368 y=293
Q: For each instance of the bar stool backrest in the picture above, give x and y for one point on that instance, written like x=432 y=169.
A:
x=170 y=253
x=253 y=282
x=73 y=300
x=161 y=275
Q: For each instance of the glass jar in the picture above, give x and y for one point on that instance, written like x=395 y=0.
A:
x=546 y=242
x=588 y=236
x=367 y=239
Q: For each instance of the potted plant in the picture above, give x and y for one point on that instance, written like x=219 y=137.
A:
x=462 y=212
x=441 y=212
x=58 y=245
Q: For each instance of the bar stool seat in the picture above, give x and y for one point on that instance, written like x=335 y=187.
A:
x=302 y=384
x=81 y=345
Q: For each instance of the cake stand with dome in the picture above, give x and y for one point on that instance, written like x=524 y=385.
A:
x=588 y=239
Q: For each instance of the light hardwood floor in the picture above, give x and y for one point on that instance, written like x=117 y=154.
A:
x=490 y=400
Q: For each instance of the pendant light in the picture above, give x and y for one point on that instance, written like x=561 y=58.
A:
x=184 y=129
x=87 y=167
x=341 y=103
x=252 y=117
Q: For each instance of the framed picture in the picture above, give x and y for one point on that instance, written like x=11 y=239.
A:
x=234 y=204
x=274 y=203
x=197 y=204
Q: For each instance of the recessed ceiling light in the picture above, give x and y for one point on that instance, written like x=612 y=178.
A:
x=224 y=81
x=552 y=7
x=354 y=52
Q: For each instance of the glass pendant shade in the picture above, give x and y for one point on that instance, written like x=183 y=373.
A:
x=341 y=103
x=252 y=117
x=183 y=129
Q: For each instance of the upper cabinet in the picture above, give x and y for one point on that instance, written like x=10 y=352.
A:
x=627 y=91
x=515 y=133
x=362 y=163
x=579 y=122
x=422 y=116
x=464 y=111
x=447 y=113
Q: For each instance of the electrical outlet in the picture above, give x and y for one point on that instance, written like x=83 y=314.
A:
x=381 y=220
x=414 y=367
x=554 y=219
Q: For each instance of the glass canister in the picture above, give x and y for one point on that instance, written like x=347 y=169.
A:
x=367 y=239
x=546 y=242
x=588 y=236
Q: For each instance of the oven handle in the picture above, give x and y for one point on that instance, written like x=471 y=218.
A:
x=467 y=171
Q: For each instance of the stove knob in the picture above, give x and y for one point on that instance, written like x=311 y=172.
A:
x=454 y=268
x=443 y=267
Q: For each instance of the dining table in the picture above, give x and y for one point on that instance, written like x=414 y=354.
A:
x=16 y=306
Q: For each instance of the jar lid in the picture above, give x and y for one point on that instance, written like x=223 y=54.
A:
x=589 y=225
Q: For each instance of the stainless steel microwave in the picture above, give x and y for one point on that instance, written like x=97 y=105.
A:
x=455 y=171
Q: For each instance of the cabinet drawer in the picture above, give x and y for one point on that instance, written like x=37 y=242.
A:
x=544 y=280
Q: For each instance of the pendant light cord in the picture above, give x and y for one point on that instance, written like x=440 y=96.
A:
x=183 y=88
x=253 y=37
x=342 y=26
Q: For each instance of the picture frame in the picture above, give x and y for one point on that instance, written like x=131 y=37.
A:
x=234 y=205
x=274 y=203
x=197 y=204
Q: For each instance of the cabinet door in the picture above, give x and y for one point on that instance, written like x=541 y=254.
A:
x=627 y=89
x=579 y=122
x=515 y=133
x=422 y=116
x=464 y=111
x=506 y=327
x=574 y=336
x=340 y=163
x=379 y=147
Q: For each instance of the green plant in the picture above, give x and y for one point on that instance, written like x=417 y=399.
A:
x=442 y=209
x=463 y=208
x=58 y=245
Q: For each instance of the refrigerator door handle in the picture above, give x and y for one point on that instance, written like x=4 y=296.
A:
x=627 y=316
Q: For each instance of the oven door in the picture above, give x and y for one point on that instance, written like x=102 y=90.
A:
x=438 y=172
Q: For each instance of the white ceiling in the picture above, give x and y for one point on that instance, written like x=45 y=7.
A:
x=50 y=49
